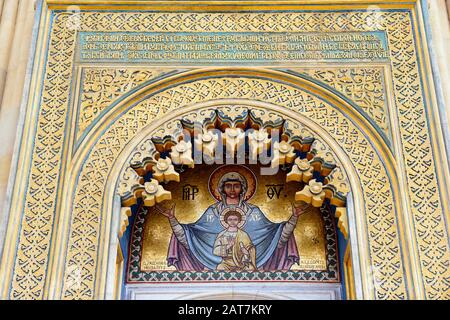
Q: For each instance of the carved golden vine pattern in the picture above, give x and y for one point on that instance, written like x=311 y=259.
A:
x=101 y=86
x=363 y=86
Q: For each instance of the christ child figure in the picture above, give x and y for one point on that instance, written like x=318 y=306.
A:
x=234 y=245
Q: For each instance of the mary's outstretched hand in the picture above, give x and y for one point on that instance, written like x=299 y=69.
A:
x=299 y=210
x=169 y=213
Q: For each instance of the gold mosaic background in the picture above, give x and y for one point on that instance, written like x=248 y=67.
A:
x=309 y=233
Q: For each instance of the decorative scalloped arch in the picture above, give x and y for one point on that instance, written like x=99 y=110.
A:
x=198 y=131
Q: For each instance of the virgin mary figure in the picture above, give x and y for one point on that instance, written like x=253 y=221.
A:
x=192 y=245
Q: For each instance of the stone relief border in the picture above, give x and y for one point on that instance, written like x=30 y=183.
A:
x=30 y=269
x=430 y=230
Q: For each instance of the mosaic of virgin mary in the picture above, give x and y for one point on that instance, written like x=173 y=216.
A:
x=245 y=240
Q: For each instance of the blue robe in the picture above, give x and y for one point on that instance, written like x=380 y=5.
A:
x=202 y=234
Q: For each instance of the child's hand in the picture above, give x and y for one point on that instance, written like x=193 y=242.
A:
x=244 y=250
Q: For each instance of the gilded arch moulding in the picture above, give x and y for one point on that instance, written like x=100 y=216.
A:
x=378 y=196
x=37 y=204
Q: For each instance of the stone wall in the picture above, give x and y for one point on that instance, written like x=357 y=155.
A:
x=16 y=25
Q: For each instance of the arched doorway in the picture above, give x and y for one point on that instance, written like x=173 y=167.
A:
x=300 y=168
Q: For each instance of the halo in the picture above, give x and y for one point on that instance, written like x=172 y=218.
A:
x=217 y=174
x=222 y=216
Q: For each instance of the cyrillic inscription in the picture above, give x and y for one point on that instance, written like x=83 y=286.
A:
x=230 y=47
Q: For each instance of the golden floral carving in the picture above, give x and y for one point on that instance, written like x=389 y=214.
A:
x=233 y=138
x=312 y=193
x=301 y=171
x=259 y=142
x=102 y=86
x=283 y=153
x=182 y=154
x=363 y=86
x=207 y=142
x=164 y=171
x=154 y=193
